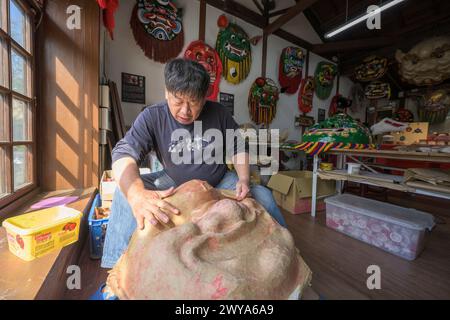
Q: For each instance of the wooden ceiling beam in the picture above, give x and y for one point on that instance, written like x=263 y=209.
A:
x=291 y=13
x=248 y=15
x=258 y=5
x=353 y=45
x=240 y=11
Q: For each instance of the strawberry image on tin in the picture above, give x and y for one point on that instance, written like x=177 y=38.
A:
x=70 y=226
x=19 y=240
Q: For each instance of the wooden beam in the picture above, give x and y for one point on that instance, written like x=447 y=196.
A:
x=258 y=5
x=294 y=39
x=255 y=19
x=264 y=56
x=278 y=12
x=202 y=21
x=239 y=11
x=353 y=45
x=294 y=11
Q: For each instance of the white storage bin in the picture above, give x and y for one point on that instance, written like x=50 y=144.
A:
x=395 y=229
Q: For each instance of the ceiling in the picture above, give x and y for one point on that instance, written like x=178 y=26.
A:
x=402 y=26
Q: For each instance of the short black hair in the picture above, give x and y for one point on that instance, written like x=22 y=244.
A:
x=187 y=77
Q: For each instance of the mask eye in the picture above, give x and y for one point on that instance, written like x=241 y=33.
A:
x=233 y=37
x=198 y=56
x=243 y=41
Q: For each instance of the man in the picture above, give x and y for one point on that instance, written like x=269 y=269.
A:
x=140 y=197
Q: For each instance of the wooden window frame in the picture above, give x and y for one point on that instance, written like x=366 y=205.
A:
x=9 y=94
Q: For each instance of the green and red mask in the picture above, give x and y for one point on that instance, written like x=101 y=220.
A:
x=210 y=60
x=290 y=69
x=234 y=48
x=262 y=100
x=371 y=69
x=324 y=78
x=157 y=28
x=306 y=95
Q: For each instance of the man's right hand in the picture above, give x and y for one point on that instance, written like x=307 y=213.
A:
x=148 y=204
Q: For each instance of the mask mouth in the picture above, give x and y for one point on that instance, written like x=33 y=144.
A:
x=234 y=50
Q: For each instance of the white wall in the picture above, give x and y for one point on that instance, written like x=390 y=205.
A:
x=124 y=55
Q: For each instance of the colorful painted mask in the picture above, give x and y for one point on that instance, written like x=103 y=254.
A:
x=262 y=100
x=306 y=95
x=290 y=69
x=234 y=48
x=428 y=63
x=371 y=69
x=157 y=28
x=208 y=58
x=324 y=78
x=337 y=132
x=378 y=90
x=435 y=107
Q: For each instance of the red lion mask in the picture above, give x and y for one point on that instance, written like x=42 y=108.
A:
x=208 y=58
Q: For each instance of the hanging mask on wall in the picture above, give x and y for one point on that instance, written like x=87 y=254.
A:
x=234 y=48
x=208 y=58
x=371 y=69
x=378 y=90
x=290 y=69
x=306 y=95
x=157 y=29
x=262 y=100
x=324 y=78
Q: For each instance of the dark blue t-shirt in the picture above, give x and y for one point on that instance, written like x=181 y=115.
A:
x=152 y=131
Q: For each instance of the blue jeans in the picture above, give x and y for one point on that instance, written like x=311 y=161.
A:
x=122 y=223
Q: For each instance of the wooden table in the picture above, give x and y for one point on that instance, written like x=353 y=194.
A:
x=386 y=154
x=24 y=279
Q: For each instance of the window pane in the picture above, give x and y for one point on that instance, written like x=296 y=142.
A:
x=4 y=120
x=3 y=173
x=17 y=18
x=4 y=75
x=3 y=19
x=20 y=159
x=19 y=73
x=21 y=121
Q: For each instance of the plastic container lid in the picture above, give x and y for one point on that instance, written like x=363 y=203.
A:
x=39 y=220
x=407 y=217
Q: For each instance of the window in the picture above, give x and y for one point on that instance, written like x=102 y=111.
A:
x=17 y=108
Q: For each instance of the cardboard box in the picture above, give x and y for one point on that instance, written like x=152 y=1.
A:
x=415 y=132
x=290 y=188
x=106 y=203
x=107 y=187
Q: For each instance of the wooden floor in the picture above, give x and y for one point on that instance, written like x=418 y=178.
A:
x=339 y=263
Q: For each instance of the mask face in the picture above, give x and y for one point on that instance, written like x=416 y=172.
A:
x=378 y=90
x=234 y=48
x=371 y=69
x=210 y=60
x=161 y=19
x=263 y=100
x=324 y=78
x=427 y=63
x=157 y=29
x=291 y=67
x=306 y=95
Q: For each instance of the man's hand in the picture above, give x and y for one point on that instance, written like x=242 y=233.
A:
x=148 y=204
x=242 y=189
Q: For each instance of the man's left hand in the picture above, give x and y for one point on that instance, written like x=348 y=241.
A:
x=242 y=189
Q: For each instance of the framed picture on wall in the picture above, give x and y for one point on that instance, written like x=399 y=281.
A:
x=227 y=100
x=133 y=88
x=321 y=115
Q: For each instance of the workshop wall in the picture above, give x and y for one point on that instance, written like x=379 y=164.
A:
x=123 y=55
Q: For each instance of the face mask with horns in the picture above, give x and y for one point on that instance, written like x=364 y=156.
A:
x=234 y=48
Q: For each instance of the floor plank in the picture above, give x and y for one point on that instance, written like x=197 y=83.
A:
x=339 y=263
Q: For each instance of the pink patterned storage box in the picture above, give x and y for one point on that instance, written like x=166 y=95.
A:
x=398 y=230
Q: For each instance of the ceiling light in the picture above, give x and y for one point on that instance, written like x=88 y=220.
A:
x=355 y=21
